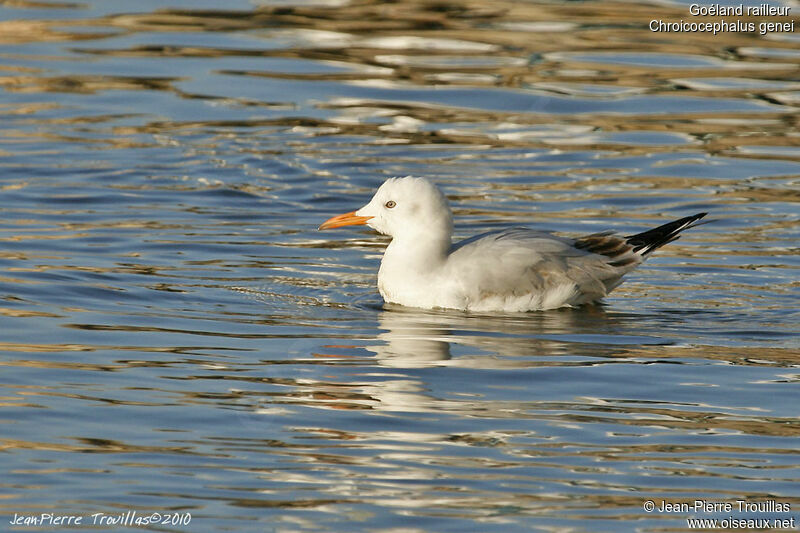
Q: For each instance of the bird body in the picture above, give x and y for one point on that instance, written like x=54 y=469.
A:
x=511 y=270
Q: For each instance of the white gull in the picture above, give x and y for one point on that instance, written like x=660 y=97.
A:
x=511 y=270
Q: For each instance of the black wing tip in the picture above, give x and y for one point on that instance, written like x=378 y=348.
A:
x=650 y=240
x=686 y=220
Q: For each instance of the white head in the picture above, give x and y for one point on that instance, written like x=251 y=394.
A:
x=404 y=208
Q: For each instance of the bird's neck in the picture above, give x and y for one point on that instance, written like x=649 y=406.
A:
x=411 y=266
x=417 y=253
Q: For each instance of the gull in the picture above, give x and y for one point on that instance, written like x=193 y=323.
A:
x=509 y=270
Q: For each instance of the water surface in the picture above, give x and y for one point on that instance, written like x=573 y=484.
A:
x=177 y=337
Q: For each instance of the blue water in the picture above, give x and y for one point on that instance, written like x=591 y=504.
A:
x=178 y=338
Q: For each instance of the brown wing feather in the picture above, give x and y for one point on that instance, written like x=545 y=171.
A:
x=632 y=250
x=609 y=245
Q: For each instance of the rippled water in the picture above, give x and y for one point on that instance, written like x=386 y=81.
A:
x=177 y=337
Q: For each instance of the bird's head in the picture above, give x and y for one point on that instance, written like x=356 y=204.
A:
x=402 y=208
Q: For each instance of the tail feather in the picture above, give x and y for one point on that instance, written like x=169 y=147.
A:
x=646 y=242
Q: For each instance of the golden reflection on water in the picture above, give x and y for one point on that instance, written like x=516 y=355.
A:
x=418 y=44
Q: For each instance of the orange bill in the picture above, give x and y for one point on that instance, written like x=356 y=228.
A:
x=348 y=219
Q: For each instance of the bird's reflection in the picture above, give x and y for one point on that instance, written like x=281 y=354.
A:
x=411 y=338
x=411 y=341
x=414 y=337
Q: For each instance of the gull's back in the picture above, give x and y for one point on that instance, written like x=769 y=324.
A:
x=520 y=269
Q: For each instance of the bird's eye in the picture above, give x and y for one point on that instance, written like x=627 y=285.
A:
x=390 y=204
